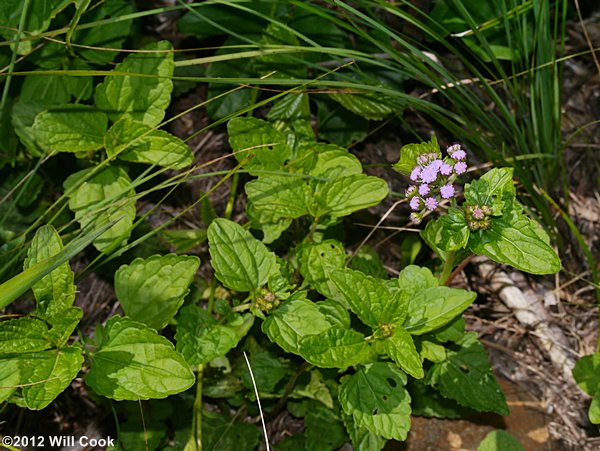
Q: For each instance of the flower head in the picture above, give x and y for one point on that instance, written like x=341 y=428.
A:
x=431 y=203
x=453 y=148
x=459 y=155
x=447 y=191
x=445 y=169
x=410 y=191
x=424 y=189
x=429 y=174
x=415 y=203
x=460 y=167
x=415 y=174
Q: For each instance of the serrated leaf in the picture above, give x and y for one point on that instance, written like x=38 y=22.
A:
x=137 y=142
x=146 y=93
x=500 y=440
x=410 y=152
x=201 y=338
x=370 y=299
x=291 y=116
x=152 y=290
x=324 y=430
x=241 y=262
x=517 y=240
x=133 y=363
x=432 y=308
x=345 y=195
x=257 y=144
x=335 y=347
x=367 y=261
x=70 y=128
x=63 y=325
x=466 y=377
x=401 y=348
x=364 y=105
x=375 y=397
x=317 y=261
x=316 y=389
x=56 y=291
x=489 y=187
x=587 y=373
x=334 y=162
x=335 y=312
x=184 y=240
x=594 y=412
x=46 y=374
x=103 y=198
x=295 y=319
x=267 y=369
x=428 y=402
x=10 y=377
x=413 y=279
x=362 y=439
x=432 y=351
x=219 y=431
x=278 y=197
x=453 y=230
x=23 y=335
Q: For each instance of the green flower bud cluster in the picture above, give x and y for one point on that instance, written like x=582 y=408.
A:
x=266 y=300
x=478 y=217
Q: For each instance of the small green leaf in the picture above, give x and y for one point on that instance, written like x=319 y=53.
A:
x=453 y=230
x=56 y=291
x=295 y=319
x=335 y=347
x=240 y=261
x=63 y=325
x=258 y=140
x=316 y=389
x=370 y=299
x=587 y=373
x=401 y=348
x=133 y=363
x=324 y=430
x=201 y=338
x=103 y=198
x=335 y=312
x=594 y=412
x=432 y=308
x=500 y=440
x=71 y=128
x=137 y=142
x=489 y=189
x=364 y=105
x=278 y=196
x=362 y=439
x=345 y=195
x=184 y=240
x=152 y=290
x=317 y=261
x=23 y=335
x=145 y=94
x=466 y=377
x=267 y=369
x=413 y=279
x=291 y=115
x=375 y=397
x=517 y=240
x=428 y=402
x=334 y=162
x=432 y=351
x=10 y=377
x=46 y=374
x=410 y=152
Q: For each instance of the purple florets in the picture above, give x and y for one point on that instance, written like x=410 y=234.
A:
x=429 y=174
x=415 y=203
x=459 y=155
x=447 y=191
x=415 y=174
x=445 y=169
x=424 y=189
x=460 y=167
x=431 y=203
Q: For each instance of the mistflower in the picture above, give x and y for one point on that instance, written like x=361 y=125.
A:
x=459 y=155
x=410 y=191
x=424 y=189
x=445 y=169
x=431 y=204
x=415 y=203
x=447 y=191
x=437 y=164
x=460 y=167
x=415 y=174
x=429 y=174
x=453 y=148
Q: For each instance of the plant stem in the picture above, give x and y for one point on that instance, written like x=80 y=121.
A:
x=195 y=441
x=232 y=196
x=448 y=267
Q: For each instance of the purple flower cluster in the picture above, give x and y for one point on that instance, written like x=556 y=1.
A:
x=433 y=179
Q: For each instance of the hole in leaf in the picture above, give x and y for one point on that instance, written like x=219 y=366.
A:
x=322 y=254
x=392 y=382
x=385 y=398
x=375 y=410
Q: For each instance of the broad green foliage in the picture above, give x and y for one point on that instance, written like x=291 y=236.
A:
x=132 y=362
x=241 y=262
x=410 y=152
x=364 y=105
x=145 y=93
x=10 y=377
x=152 y=290
x=23 y=335
x=335 y=347
x=317 y=261
x=500 y=440
x=101 y=198
x=587 y=376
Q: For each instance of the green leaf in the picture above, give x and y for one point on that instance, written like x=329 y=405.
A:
x=432 y=308
x=344 y=196
x=516 y=240
x=367 y=261
x=428 y=402
x=10 y=377
x=413 y=279
x=362 y=439
x=410 y=152
x=23 y=115
x=334 y=162
x=133 y=363
x=145 y=94
x=338 y=125
x=258 y=140
x=375 y=397
x=370 y=299
x=240 y=261
x=295 y=319
x=201 y=338
x=267 y=369
x=285 y=66
x=594 y=412
x=46 y=374
x=489 y=189
x=335 y=348
x=23 y=335
x=56 y=291
x=432 y=351
x=152 y=290
x=324 y=430
x=401 y=348
x=500 y=440
x=103 y=198
x=466 y=377
x=291 y=115
x=335 y=312
x=137 y=142
x=364 y=105
x=63 y=325
x=184 y=240
x=453 y=232
x=220 y=432
x=316 y=389
x=71 y=128
x=278 y=196
x=317 y=261
x=587 y=373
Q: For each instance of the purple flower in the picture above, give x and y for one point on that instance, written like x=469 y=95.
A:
x=431 y=204
x=459 y=155
x=429 y=174
x=415 y=174
x=415 y=203
x=437 y=164
x=447 y=191
x=453 y=148
x=460 y=167
x=411 y=191
x=445 y=169
x=424 y=189
x=478 y=213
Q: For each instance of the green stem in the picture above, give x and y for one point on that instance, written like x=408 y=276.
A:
x=232 y=195
x=195 y=441
x=448 y=267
